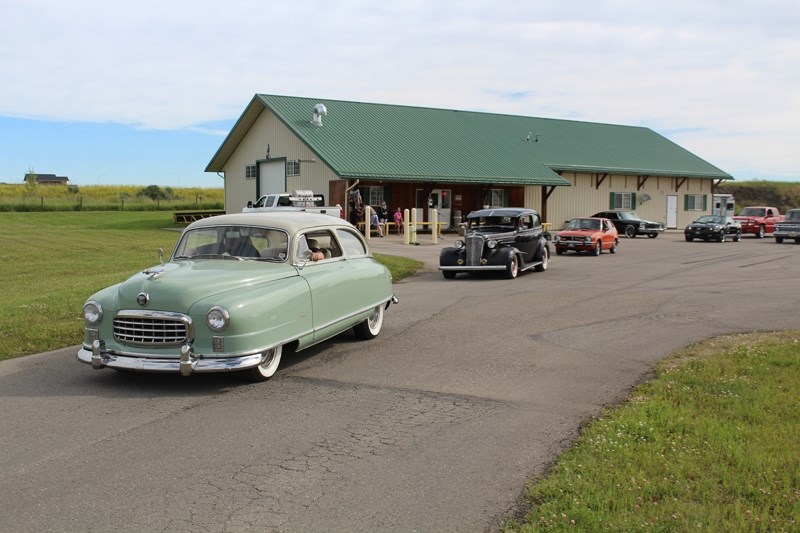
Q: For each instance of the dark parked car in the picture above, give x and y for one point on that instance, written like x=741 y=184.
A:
x=715 y=227
x=507 y=239
x=629 y=224
x=789 y=227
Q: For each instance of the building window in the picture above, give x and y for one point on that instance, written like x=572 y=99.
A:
x=622 y=200
x=293 y=168
x=374 y=195
x=497 y=198
x=695 y=202
x=250 y=172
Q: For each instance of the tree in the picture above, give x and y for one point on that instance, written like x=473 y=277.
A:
x=30 y=182
x=153 y=192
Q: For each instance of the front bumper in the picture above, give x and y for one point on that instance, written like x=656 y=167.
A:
x=187 y=364
x=465 y=268
x=705 y=233
x=574 y=245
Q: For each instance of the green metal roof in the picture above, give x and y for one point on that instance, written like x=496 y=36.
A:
x=402 y=143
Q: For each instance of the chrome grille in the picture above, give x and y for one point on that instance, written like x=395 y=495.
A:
x=152 y=328
x=474 y=249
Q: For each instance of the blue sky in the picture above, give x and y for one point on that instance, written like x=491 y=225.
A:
x=145 y=92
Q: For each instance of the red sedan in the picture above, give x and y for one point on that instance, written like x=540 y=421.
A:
x=591 y=235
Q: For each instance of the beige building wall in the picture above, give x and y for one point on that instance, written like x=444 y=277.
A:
x=269 y=131
x=583 y=198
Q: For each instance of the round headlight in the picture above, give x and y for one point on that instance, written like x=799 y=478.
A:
x=587 y=239
x=218 y=318
x=458 y=245
x=492 y=244
x=92 y=313
x=557 y=238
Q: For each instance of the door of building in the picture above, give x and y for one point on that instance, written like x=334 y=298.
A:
x=440 y=199
x=271 y=177
x=672 y=211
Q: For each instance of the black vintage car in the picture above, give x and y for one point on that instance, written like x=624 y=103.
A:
x=629 y=224
x=715 y=227
x=507 y=239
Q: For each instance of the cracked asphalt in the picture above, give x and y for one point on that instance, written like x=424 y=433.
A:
x=473 y=388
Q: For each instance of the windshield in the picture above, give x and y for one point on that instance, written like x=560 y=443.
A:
x=710 y=219
x=793 y=215
x=493 y=223
x=241 y=242
x=752 y=212
x=628 y=215
x=584 y=223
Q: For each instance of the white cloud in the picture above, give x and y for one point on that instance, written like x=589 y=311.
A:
x=721 y=75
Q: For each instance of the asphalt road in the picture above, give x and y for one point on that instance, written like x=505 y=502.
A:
x=474 y=386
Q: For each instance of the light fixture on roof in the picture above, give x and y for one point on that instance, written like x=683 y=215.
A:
x=319 y=112
x=535 y=138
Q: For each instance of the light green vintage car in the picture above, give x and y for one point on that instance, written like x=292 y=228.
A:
x=236 y=291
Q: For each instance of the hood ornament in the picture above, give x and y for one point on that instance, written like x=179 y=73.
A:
x=154 y=272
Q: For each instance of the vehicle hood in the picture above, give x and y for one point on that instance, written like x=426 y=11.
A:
x=705 y=224
x=176 y=286
x=579 y=232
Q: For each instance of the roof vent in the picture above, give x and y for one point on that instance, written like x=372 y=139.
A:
x=319 y=112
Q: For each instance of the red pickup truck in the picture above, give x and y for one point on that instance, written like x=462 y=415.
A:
x=758 y=220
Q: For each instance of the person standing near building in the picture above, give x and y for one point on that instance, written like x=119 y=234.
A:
x=355 y=207
x=383 y=216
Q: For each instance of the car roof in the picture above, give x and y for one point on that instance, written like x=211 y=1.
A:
x=291 y=221
x=502 y=212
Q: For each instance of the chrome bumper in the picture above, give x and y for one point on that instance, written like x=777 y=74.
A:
x=188 y=363
x=465 y=268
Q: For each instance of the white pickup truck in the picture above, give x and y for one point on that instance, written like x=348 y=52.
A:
x=298 y=200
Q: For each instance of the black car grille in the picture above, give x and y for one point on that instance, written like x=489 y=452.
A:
x=572 y=238
x=474 y=249
x=152 y=329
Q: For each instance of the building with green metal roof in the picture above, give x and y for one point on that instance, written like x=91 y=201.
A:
x=457 y=161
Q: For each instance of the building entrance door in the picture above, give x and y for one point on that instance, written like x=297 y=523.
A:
x=672 y=211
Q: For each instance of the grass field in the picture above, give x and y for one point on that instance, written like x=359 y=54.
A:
x=711 y=445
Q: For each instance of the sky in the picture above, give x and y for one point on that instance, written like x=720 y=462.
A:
x=129 y=93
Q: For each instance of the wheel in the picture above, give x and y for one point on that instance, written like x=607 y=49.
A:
x=797 y=240
x=652 y=235
x=779 y=240
x=613 y=249
x=264 y=371
x=541 y=267
x=371 y=326
x=760 y=232
x=512 y=268
x=722 y=237
x=559 y=251
x=689 y=238
x=598 y=249
x=738 y=237
x=448 y=274
x=630 y=232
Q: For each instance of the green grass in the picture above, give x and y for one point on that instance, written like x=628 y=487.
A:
x=52 y=261
x=710 y=445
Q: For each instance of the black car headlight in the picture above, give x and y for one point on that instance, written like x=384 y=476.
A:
x=92 y=313
x=218 y=318
x=458 y=245
x=491 y=244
